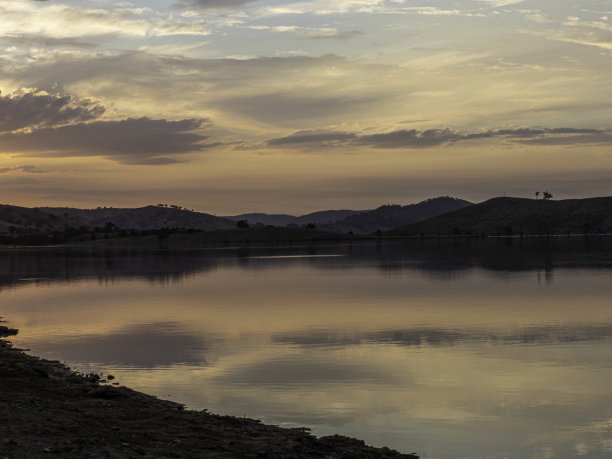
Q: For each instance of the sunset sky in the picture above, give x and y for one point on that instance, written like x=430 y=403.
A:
x=231 y=106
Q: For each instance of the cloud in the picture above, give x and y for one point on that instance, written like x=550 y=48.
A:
x=26 y=168
x=53 y=20
x=529 y=132
x=587 y=33
x=415 y=139
x=145 y=71
x=537 y=17
x=410 y=138
x=312 y=137
x=286 y=108
x=315 y=33
x=335 y=35
x=282 y=91
x=434 y=11
x=42 y=40
x=129 y=141
x=39 y=109
x=210 y=4
x=395 y=139
x=596 y=137
x=500 y=3
x=325 y=7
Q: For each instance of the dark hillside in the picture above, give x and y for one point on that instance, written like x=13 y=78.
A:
x=320 y=217
x=518 y=216
x=264 y=219
x=394 y=216
x=23 y=220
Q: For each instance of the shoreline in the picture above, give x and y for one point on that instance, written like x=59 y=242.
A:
x=49 y=410
x=150 y=244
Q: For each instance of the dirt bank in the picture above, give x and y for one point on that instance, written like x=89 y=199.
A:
x=46 y=411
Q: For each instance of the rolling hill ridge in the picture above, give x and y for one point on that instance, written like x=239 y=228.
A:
x=506 y=216
x=362 y=222
x=443 y=216
x=14 y=219
x=393 y=216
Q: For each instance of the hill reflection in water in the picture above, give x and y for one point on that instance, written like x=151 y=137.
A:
x=436 y=257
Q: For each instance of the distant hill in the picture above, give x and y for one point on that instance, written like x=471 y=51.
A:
x=393 y=216
x=14 y=219
x=360 y=222
x=514 y=216
x=324 y=216
x=264 y=219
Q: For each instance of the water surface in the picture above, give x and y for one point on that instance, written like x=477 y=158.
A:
x=450 y=349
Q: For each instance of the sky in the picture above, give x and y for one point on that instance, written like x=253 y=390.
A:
x=280 y=106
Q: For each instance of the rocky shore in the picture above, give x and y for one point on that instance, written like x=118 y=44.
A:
x=47 y=410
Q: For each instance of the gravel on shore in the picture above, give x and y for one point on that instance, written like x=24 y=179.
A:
x=47 y=410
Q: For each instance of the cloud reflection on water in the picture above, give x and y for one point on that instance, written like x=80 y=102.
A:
x=138 y=345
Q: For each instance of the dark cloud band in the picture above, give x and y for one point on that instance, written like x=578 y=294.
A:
x=38 y=110
x=129 y=141
x=30 y=169
x=414 y=139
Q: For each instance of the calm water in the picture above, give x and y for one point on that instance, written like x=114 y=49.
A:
x=478 y=349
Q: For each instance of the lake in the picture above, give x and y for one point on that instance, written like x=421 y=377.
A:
x=452 y=348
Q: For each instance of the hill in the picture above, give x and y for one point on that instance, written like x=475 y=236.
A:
x=505 y=216
x=393 y=216
x=326 y=216
x=41 y=225
x=24 y=220
x=263 y=219
x=320 y=217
